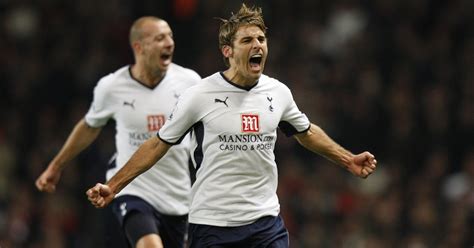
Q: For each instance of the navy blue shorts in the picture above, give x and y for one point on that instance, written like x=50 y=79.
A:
x=267 y=231
x=138 y=218
x=114 y=236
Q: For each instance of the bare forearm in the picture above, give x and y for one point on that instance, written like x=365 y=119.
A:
x=143 y=159
x=80 y=138
x=317 y=141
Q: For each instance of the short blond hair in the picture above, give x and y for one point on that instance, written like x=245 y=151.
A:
x=245 y=16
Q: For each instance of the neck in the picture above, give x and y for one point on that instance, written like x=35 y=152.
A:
x=236 y=78
x=147 y=76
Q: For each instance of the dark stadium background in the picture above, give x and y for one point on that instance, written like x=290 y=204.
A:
x=395 y=77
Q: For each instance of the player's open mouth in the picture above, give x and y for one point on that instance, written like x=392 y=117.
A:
x=255 y=61
x=165 y=56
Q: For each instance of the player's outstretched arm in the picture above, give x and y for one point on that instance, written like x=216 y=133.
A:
x=316 y=140
x=143 y=159
x=80 y=138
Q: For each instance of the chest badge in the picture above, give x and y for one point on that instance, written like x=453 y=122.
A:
x=155 y=122
x=250 y=123
x=270 y=99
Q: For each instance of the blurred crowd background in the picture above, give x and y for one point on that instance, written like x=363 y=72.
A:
x=395 y=77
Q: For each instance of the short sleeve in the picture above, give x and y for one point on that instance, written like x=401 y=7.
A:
x=184 y=116
x=293 y=121
x=101 y=109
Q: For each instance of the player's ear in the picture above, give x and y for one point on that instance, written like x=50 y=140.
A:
x=226 y=51
x=137 y=47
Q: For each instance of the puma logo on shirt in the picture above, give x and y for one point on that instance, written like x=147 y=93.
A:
x=222 y=101
x=130 y=104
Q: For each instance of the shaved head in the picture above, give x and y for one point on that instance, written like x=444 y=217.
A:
x=136 y=31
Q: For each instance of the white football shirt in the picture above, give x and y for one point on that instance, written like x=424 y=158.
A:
x=236 y=131
x=139 y=112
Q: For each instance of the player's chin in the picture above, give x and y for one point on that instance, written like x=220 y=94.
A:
x=166 y=63
x=255 y=74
